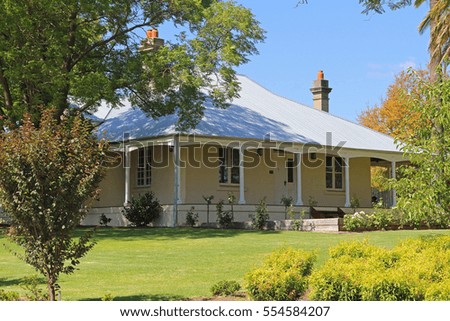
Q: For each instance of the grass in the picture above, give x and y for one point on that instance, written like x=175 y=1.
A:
x=173 y=264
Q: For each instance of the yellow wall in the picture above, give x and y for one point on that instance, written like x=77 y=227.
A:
x=162 y=175
x=199 y=177
x=112 y=189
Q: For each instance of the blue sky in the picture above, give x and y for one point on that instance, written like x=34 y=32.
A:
x=359 y=54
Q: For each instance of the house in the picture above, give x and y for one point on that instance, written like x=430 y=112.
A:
x=262 y=146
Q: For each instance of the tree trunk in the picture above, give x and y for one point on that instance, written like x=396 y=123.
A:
x=434 y=60
x=6 y=92
x=51 y=289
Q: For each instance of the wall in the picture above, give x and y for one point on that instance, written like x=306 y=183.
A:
x=162 y=175
x=112 y=186
x=265 y=176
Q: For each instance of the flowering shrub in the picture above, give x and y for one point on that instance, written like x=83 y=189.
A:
x=415 y=269
x=356 y=222
x=283 y=276
x=380 y=219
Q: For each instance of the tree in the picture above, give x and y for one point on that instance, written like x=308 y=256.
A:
x=389 y=117
x=437 y=20
x=424 y=186
x=46 y=174
x=53 y=53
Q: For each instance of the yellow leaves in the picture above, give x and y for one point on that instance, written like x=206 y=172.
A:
x=395 y=116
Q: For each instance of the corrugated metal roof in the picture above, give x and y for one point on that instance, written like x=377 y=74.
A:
x=257 y=113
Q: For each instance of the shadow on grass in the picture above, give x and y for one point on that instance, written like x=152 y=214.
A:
x=152 y=233
x=10 y=282
x=143 y=297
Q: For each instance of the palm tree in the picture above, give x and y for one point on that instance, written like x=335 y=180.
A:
x=438 y=20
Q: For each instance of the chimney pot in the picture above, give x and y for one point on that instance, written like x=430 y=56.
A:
x=320 y=75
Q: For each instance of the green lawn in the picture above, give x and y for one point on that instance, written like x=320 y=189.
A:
x=171 y=264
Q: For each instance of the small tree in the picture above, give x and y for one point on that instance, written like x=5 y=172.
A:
x=423 y=188
x=143 y=210
x=47 y=175
x=208 y=200
x=191 y=217
x=287 y=202
x=224 y=218
x=261 y=216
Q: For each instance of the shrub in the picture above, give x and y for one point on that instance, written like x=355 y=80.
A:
x=353 y=249
x=355 y=222
x=225 y=288
x=104 y=221
x=391 y=286
x=380 y=219
x=438 y=291
x=9 y=296
x=191 y=217
x=224 y=218
x=261 y=216
x=335 y=281
x=107 y=297
x=32 y=284
x=282 y=277
x=143 y=210
x=416 y=269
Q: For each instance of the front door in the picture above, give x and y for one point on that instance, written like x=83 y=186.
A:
x=289 y=179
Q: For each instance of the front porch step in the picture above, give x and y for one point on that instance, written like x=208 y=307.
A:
x=324 y=212
x=313 y=225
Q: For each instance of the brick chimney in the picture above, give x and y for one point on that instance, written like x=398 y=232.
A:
x=152 y=42
x=320 y=92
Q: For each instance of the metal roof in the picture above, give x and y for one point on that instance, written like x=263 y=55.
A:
x=256 y=114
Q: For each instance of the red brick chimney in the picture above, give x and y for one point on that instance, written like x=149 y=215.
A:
x=152 y=42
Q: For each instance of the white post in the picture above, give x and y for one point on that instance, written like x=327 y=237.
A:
x=127 y=165
x=298 y=158
x=394 y=192
x=347 y=181
x=176 y=179
x=241 y=176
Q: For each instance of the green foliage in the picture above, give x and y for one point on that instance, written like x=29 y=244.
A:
x=9 y=295
x=312 y=201
x=423 y=187
x=48 y=175
x=108 y=297
x=283 y=276
x=261 y=216
x=88 y=51
x=380 y=219
x=225 y=288
x=416 y=269
x=286 y=200
x=354 y=203
x=297 y=224
x=142 y=210
x=104 y=221
x=191 y=217
x=224 y=218
x=31 y=284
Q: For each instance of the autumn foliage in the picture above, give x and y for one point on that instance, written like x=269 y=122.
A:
x=395 y=116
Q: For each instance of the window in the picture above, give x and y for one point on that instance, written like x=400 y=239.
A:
x=144 y=168
x=290 y=170
x=228 y=166
x=334 y=172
